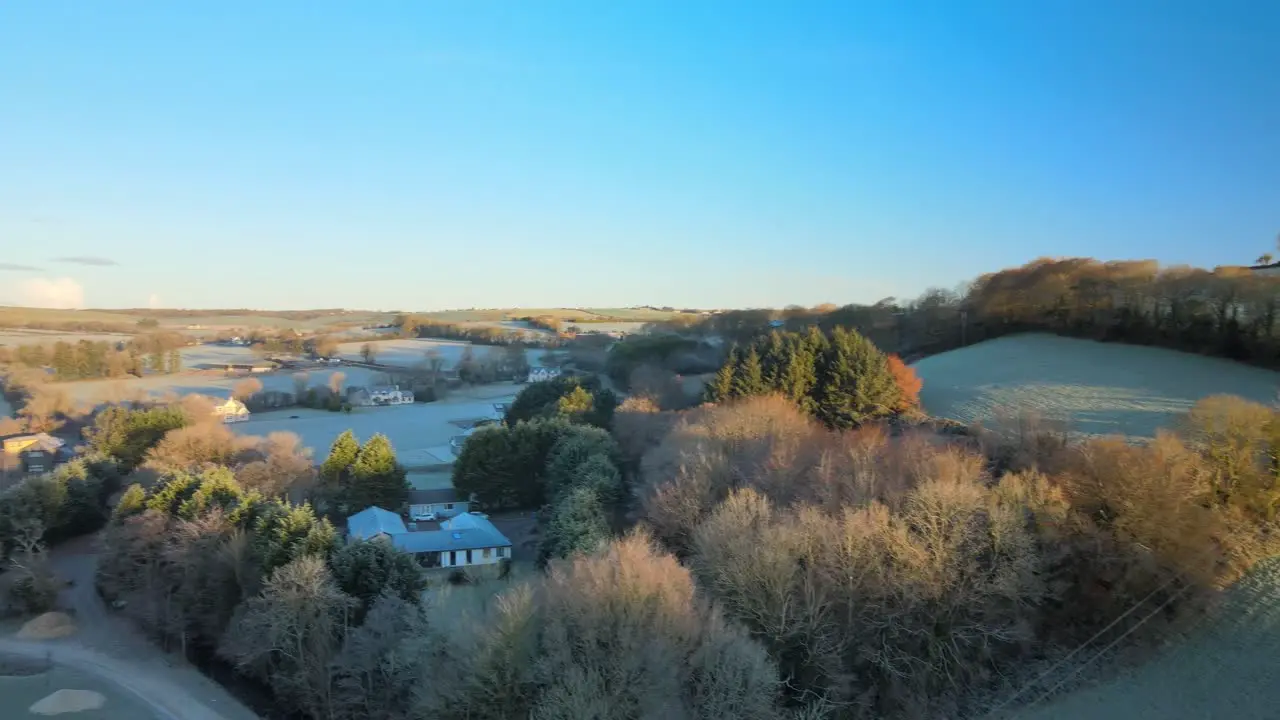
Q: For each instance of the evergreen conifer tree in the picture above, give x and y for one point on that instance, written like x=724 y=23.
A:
x=748 y=378
x=854 y=382
x=375 y=478
x=720 y=388
x=342 y=453
x=773 y=359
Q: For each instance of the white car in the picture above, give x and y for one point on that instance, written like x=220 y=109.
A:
x=477 y=513
x=425 y=517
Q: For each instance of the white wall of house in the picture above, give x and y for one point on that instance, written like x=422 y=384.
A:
x=440 y=509
x=479 y=556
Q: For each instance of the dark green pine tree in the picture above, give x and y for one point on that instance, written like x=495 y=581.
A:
x=773 y=359
x=854 y=383
x=376 y=478
x=800 y=373
x=748 y=377
x=720 y=388
x=577 y=525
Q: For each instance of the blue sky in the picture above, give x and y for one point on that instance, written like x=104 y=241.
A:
x=433 y=154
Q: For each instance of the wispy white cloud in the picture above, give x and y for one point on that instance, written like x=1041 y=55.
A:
x=15 y=267
x=62 y=293
x=153 y=301
x=87 y=260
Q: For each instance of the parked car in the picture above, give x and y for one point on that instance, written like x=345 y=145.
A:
x=424 y=517
x=477 y=513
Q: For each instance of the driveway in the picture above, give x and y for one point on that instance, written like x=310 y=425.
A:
x=110 y=648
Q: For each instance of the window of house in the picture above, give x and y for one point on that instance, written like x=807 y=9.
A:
x=468 y=557
x=502 y=552
x=485 y=554
x=448 y=506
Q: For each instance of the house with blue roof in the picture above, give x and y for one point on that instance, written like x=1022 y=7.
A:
x=458 y=542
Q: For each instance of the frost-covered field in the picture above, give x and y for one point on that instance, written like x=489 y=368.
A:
x=209 y=382
x=607 y=327
x=408 y=352
x=1096 y=388
x=1227 y=668
x=419 y=433
x=12 y=338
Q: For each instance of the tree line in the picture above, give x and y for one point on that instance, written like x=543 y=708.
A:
x=154 y=353
x=425 y=327
x=1228 y=311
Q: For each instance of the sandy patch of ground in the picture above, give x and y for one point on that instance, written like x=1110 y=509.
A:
x=68 y=701
x=48 y=626
x=1094 y=388
x=29 y=697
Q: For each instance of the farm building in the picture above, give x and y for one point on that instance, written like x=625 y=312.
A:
x=231 y=410
x=35 y=452
x=1268 y=269
x=435 y=504
x=257 y=367
x=379 y=395
x=540 y=374
x=465 y=540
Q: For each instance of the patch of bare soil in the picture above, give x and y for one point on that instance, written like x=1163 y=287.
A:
x=48 y=626
x=68 y=701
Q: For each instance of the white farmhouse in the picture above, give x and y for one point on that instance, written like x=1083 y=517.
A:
x=230 y=411
x=379 y=395
x=540 y=374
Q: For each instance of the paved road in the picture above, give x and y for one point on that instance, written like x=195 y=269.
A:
x=110 y=648
x=168 y=700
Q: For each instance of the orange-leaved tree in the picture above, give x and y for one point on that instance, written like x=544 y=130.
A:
x=909 y=383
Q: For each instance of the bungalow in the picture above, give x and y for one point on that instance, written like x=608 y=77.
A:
x=231 y=411
x=435 y=504
x=461 y=541
x=540 y=374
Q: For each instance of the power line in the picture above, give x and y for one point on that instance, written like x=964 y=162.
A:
x=1082 y=646
x=1110 y=645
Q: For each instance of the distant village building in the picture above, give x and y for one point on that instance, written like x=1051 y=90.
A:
x=35 y=452
x=1272 y=269
x=379 y=395
x=231 y=411
x=540 y=374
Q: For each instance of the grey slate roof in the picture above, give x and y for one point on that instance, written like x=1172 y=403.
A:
x=473 y=533
x=432 y=497
x=374 y=521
